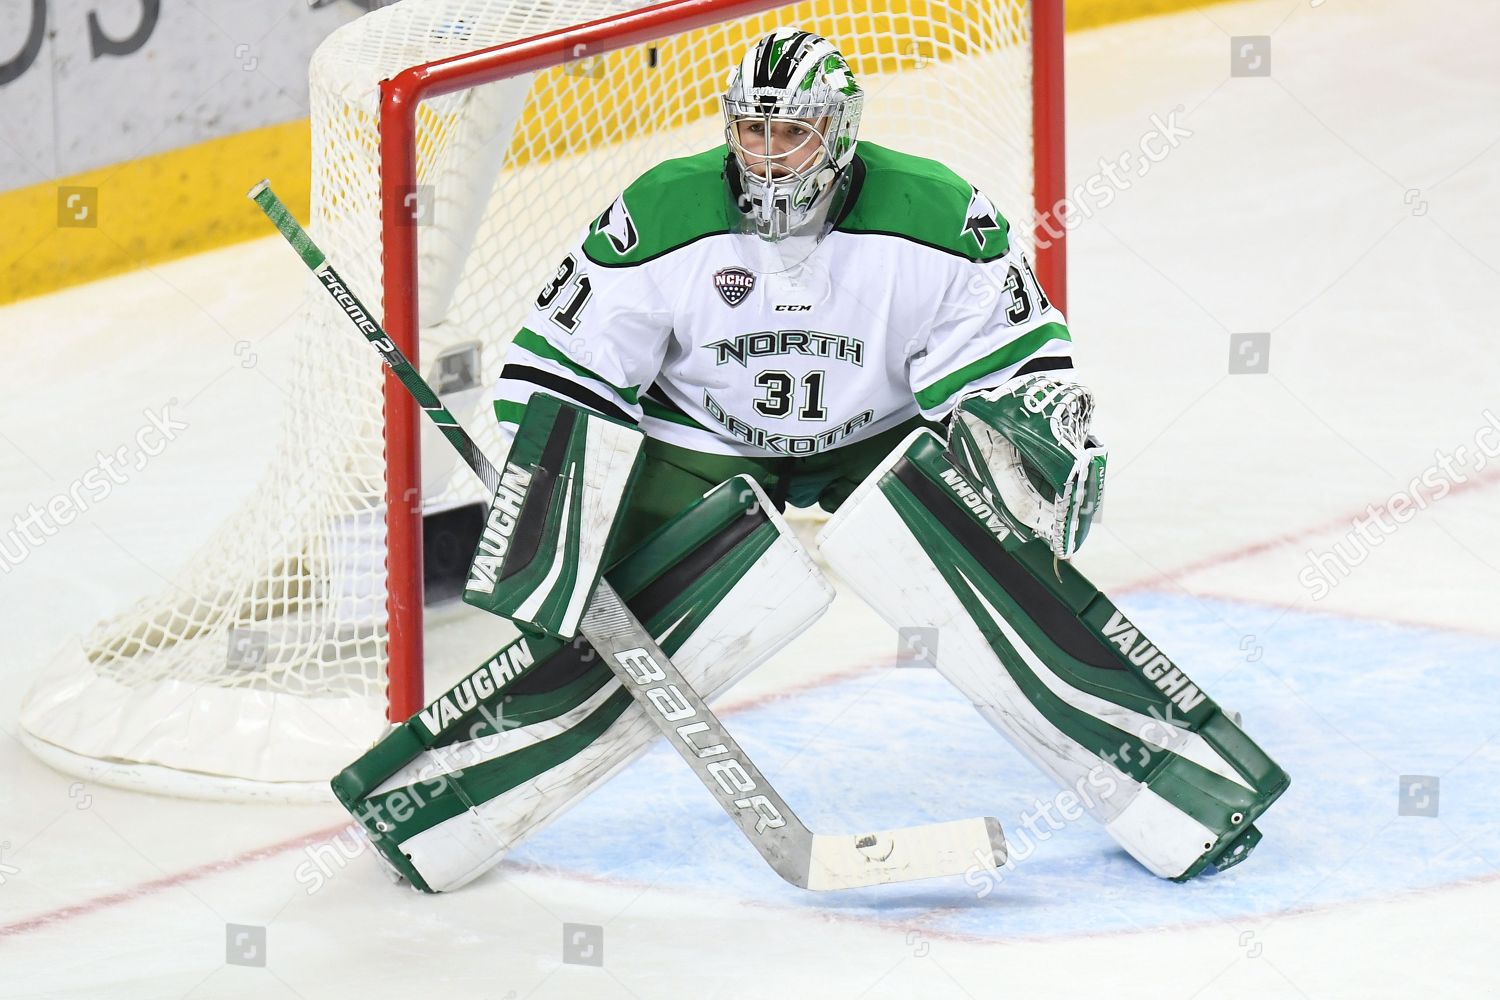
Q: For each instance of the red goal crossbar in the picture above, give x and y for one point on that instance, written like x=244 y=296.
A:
x=399 y=99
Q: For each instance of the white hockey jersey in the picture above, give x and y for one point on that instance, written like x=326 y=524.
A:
x=666 y=315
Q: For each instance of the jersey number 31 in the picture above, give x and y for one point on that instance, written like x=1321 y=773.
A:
x=779 y=387
x=566 y=315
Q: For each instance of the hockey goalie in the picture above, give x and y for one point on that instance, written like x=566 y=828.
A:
x=800 y=318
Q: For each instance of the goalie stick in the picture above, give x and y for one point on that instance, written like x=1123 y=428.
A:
x=805 y=859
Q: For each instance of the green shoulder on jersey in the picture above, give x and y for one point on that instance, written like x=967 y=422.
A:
x=923 y=201
x=680 y=201
x=675 y=203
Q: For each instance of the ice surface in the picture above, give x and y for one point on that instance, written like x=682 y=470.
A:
x=1344 y=205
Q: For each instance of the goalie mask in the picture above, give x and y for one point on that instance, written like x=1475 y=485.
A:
x=790 y=118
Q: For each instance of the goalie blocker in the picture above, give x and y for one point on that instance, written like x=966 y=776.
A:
x=554 y=516
x=1052 y=664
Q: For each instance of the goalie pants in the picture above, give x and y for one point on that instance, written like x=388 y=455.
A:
x=673 y=477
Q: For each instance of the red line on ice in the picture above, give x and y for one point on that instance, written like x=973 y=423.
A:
x=165 y=882
x=1480 y=480
x=143 y=889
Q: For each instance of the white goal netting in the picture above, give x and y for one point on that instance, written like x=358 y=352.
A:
x=262 y=670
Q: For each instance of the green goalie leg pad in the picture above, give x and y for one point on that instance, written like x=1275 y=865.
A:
x=1054 y=665
x=722 y=586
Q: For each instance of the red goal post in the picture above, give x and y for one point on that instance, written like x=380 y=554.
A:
x=401 y=97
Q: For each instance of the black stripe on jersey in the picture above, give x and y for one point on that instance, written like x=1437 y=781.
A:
x=660 y=253
x=563 y=387
x=661 y=399
x=921 y=243
x=1043 y=365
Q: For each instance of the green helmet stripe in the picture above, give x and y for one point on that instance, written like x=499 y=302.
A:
x=776 y=48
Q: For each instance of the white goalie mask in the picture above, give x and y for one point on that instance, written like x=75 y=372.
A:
x=791 y=117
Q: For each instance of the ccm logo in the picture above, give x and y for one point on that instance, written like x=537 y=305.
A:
x=792 y=309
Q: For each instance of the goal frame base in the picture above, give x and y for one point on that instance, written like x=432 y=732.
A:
x=157 y=780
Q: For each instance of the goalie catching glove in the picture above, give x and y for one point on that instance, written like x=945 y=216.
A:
x=1027 y=443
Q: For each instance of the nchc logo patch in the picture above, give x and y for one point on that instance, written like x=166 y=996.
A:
x=734 y=283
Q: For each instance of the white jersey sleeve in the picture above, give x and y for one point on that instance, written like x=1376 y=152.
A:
x=994 y=322
x=595 y=335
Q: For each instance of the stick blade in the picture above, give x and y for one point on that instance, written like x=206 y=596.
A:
x=843 y=861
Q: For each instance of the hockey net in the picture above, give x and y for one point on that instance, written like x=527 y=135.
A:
x=274 y=659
